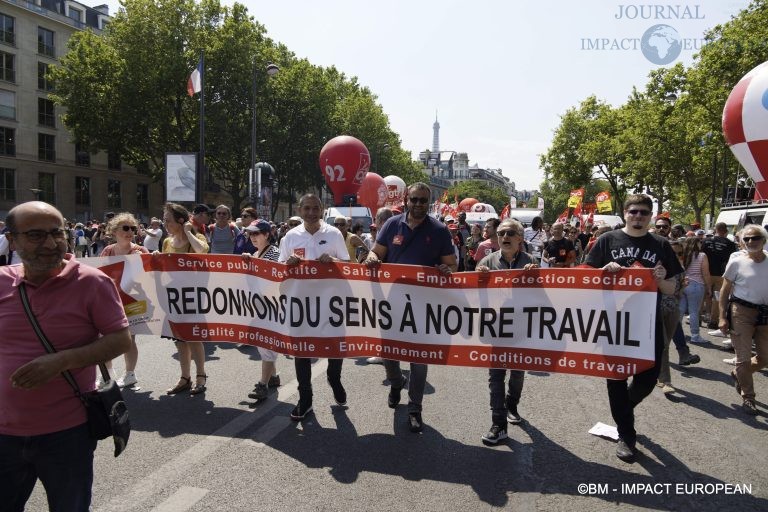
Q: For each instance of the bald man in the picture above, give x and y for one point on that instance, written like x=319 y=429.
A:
x=43 y=429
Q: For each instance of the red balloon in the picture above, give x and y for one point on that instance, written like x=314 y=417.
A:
x=373 y=192
x=344 y=162
x=466 y=204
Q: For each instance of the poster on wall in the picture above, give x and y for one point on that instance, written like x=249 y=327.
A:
x=180 y=173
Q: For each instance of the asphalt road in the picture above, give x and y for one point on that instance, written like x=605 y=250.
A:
x=213 y=452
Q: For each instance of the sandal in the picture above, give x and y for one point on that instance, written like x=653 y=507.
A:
x=199 y=388
x=184 y=384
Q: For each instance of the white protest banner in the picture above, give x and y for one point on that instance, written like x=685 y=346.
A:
x=581 y=321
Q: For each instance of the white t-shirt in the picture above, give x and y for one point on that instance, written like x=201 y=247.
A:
x=152 y=243
x=326 y=240
x=749 y=278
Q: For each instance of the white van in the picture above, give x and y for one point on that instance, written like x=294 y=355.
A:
x=736 y=217
x=525 y=215
x=607 y=220
x=359 y=214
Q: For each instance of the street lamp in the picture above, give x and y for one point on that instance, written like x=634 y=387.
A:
x=37 y=193
x=379 y=148
x=271 y=70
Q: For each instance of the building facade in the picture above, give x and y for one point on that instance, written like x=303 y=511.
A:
x=38 y=157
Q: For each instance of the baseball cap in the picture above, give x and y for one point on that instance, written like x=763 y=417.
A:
x=699 y=232
x=201 y=208
x=259 y=226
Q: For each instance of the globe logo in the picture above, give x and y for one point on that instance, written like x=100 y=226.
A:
x=661 y=44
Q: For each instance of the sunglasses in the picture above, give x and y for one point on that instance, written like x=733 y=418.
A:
x=339 y=224
x=748 y=239
x=293 y=225
x=504 y=233
x=640 y=213
x=129 y=228
x=418 y=200
x=662 y=226
x=37 y=236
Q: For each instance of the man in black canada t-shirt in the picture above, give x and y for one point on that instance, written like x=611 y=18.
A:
x=632 y=246
x=718 y=250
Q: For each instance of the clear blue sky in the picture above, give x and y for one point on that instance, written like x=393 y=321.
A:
x=498 y=72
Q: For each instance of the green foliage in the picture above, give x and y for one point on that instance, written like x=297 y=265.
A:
x=125 y=91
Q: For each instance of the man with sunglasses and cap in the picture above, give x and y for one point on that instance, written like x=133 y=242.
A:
x=412 y=238
x=504 y=407
x=633 y=246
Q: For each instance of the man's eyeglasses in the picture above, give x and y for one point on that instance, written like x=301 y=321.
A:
x=639 y=213
x=418 y=200
x=504 y=233
x=339 y=224
x=748 y=239
x=662 y=226
x=129 y=228
x=37 y=236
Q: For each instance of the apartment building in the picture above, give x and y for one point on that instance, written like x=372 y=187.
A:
x=38 y=157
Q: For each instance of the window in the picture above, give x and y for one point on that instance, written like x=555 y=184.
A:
x=113 y=194
x=45 y=42
x=113 y=160
x=142 y=196
x=82 y=156
x=43 y=82
x=7 y=67
x=7 y=30
x=46 y=182
x=46 y=114
x=46 y=147
x=7 y=141
x=7 y=104
x=82 y=191
x=76 y=14
x=7 y=184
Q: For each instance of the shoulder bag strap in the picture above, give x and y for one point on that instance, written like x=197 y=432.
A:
x=49 y=347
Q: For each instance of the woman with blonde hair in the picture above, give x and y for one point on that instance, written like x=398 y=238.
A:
x=122 y=228
x=184 y=238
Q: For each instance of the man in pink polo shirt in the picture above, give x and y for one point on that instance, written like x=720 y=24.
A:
x=43 y=430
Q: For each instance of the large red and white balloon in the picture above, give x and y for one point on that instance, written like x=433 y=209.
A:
x=745 y=125
x=344 y=162
x=395 y=191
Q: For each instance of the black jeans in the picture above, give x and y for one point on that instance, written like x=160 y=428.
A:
x=304 y=376
x=496 y=387
x=623 y=397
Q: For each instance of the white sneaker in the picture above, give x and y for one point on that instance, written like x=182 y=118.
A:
x=128 y=379
x=731 y=361
x=727 y=343
x=717 y=334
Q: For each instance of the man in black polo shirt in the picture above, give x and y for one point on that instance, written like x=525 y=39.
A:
x=718 y=250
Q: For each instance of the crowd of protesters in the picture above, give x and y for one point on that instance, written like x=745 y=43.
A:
x=703 y=277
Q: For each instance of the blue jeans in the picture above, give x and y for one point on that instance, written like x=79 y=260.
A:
x=63 y=461
x=691 y=299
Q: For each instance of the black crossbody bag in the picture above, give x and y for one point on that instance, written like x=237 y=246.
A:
x=105 y=408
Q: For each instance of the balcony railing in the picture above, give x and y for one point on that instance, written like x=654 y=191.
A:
x=31 y=6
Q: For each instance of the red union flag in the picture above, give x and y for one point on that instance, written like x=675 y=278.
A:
x=603 y=201
x=577 y=195
x=580 y=321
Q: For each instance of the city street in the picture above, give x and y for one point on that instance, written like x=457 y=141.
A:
x=213 y=452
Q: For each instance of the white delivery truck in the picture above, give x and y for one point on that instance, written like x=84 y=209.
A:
x=741 y=214
x=359 y=214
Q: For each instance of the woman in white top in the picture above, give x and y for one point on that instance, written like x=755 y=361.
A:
x=744 y=310
x=696 y=267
